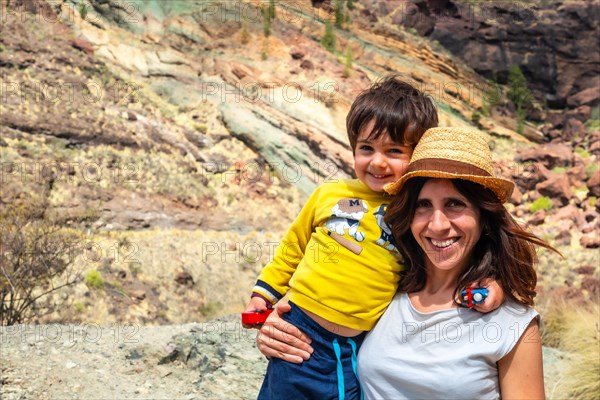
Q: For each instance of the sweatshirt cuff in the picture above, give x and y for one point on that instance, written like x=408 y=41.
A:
x=265 y=290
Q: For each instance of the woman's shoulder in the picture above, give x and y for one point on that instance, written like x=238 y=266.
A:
x=512 y=313
x=513 y=308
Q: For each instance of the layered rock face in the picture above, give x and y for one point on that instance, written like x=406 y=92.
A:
x=555 y=44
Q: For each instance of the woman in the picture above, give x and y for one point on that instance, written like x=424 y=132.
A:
x=451 y=228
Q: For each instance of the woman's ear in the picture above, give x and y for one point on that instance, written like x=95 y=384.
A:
x=485 y=227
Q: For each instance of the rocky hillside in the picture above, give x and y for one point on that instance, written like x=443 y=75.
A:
x=180 y=140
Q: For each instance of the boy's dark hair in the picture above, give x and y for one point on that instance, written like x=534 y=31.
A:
x=397 y=108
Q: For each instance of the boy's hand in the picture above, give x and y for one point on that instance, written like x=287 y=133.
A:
x=255 y=304
x=495 y=296
x=278 y=338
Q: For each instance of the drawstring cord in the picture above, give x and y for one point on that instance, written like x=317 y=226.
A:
x=340 y=370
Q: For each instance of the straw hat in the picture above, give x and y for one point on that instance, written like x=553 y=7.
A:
x=454 y=153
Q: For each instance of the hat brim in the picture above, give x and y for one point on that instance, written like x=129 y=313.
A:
x=503 y=188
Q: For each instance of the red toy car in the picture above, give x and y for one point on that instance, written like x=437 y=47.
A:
x=255 y=317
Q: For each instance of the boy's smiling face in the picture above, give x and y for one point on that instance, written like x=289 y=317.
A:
x=380 y=161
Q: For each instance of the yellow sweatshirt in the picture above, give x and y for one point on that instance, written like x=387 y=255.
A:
x=337 y=259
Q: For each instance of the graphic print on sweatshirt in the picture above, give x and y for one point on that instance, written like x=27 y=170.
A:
x=386 y=239
x=346 y=215
x=346 y=218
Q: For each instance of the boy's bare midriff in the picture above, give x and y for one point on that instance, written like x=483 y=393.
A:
x=331 y=326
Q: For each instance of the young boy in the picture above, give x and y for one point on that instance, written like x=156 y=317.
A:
x=338 y=260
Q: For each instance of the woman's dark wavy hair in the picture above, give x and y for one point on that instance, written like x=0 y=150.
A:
x=505 y=251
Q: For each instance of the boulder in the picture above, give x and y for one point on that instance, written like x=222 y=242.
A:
x=537 y=218
x=569 y=213
x=573 y=129
x=588 y=228
x=297 y=53
x=516 y=197
x=307 y=64
x=557 y=188
x=588 y=97
x=83 y=45
x=594 y=143
x=592 y=285
x=577 y=175
x=184 y=278
x=582 y=113
x=590 y=240
x=526 y=177
x=563 y=237
x=550 y=155
x=593 y=184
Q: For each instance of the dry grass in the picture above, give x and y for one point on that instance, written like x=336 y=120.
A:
x=574 y=329
x=139 y=270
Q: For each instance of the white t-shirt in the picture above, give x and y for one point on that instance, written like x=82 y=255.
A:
x=446 y=354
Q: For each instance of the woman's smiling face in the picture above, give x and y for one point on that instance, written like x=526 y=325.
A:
x=446 y=225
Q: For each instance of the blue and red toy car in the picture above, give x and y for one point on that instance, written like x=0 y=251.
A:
x=472 y=296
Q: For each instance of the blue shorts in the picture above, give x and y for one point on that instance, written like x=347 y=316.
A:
x=330 y=373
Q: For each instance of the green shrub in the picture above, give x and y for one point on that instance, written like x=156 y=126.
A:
x=582 y=152
x=83 y=10
x=264 y=54
x=268 y=17
x=519 y=94
x=593 y=124
x=328 y=40
x=210 y=309
x=339 y=13
x=267 y=27
x=543 y=203
x=94 y=279
x=244 y=35
x=348 y=62
x=592 y=169
x=491 y=96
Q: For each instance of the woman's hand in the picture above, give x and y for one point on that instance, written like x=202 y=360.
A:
x=495 y=296
x=278 y=338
